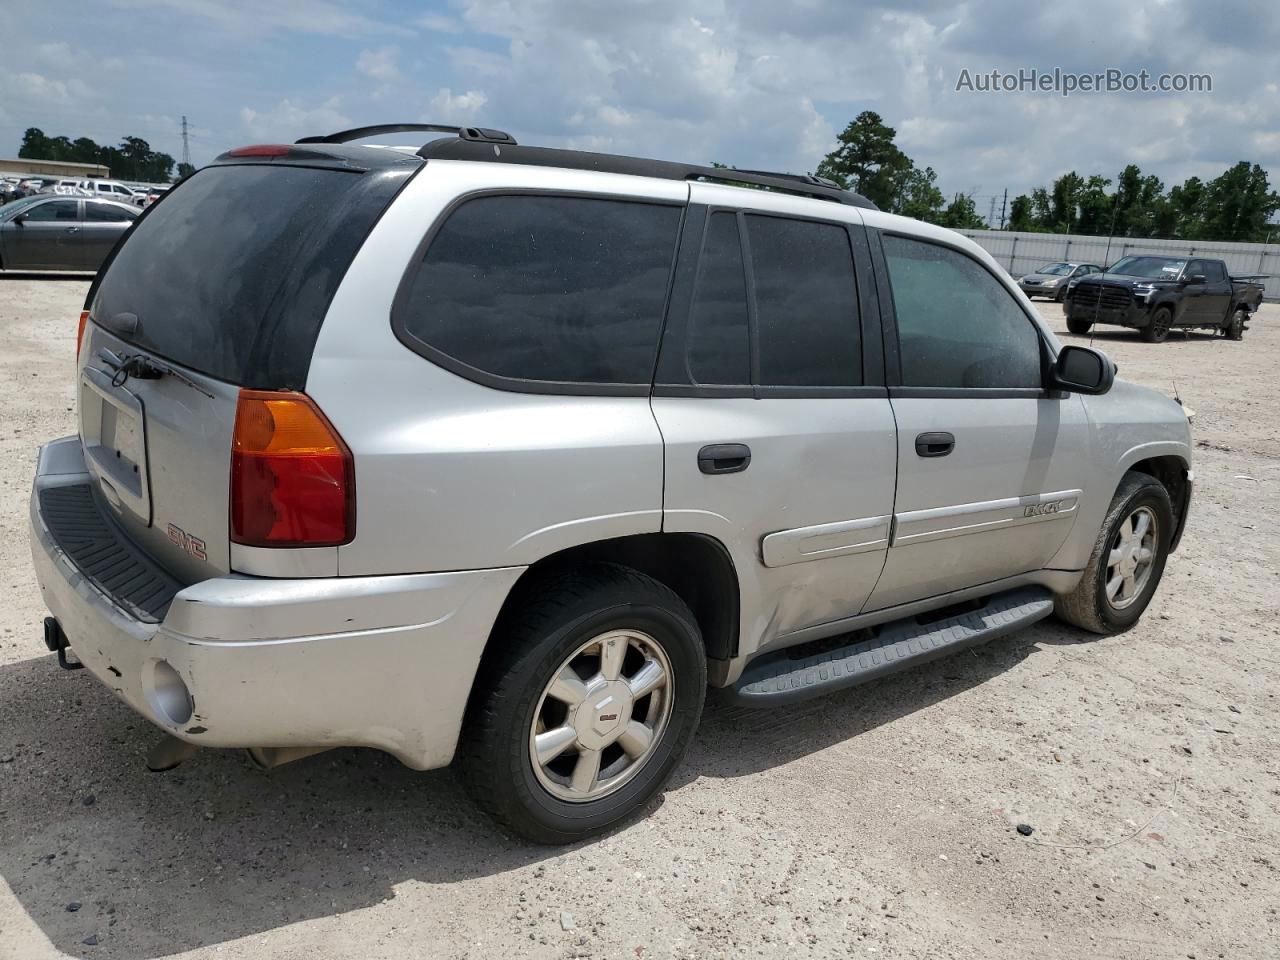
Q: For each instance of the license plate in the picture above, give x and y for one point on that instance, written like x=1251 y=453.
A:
x=113 y=430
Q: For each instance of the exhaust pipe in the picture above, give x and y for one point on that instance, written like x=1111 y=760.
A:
x=267 y=758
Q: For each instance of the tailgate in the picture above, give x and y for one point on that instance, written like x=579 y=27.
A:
x=159 y=450
x=222 y=286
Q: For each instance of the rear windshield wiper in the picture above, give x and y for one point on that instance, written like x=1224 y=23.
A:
x=141 y=367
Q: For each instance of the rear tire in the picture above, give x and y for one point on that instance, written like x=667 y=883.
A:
x=567 y=659
x=1234 y=329
x=1079 y=327
x=1157 y=330
x=1140 y=511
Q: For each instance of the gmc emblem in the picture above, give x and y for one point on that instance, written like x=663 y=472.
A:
x=192 y=545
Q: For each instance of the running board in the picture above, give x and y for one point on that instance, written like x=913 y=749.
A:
x=784 y=677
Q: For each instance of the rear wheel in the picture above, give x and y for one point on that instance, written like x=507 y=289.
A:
x=1060 y=295
x=586 y=704
x=1079 y=327
x=1127 y=561
x=1234 y=329
x=1158 y=329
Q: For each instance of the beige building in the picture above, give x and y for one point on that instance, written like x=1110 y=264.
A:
x=50 y=168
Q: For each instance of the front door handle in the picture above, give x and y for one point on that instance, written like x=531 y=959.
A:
x=716 y=458
x=935 y=444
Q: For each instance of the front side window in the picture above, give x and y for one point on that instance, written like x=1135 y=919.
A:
x=806 y=303
x=54 y=210
x=545 y=288
x=957 y=325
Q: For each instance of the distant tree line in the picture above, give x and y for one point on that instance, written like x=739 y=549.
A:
x=132 y=160
x=1236 y=206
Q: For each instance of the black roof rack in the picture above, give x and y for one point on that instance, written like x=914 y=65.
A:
x=496 y=146
x=804 y=185
x=474 y=134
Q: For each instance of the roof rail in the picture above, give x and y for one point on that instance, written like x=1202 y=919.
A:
x=474 y=134
x=466 y=148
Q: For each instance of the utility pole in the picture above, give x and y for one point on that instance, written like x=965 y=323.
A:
x=1004 y=203
x=991 y=213
x=186 y=145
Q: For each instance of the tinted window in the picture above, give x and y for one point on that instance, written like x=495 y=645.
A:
x=565 y=289
x=55 y=210
x=718 y=344
x=806 y=303
x=233 y=273
x=1215 y=271
x=107 y=212
x=957 y=325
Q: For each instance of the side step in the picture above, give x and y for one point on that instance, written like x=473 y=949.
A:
x=781 y=677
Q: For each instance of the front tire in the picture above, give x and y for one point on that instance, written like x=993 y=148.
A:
x=1127 y=561
x=1234 y=329
x=1157 y=330
x=585 y=704
x=1079 y=327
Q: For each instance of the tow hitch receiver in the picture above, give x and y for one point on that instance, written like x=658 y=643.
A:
x=57 y=641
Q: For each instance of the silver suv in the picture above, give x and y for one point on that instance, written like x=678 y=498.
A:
x=501 y=455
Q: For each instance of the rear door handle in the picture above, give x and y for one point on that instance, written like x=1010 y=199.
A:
x=724 y=458
x=935 y=444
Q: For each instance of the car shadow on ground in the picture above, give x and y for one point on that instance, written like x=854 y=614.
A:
x=217 y=850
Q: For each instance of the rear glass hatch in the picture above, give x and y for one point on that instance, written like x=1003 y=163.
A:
x=221 y=285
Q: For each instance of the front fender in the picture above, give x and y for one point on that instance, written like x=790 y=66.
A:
x=1131 y=424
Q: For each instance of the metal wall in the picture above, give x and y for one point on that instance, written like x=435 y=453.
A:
x=1021 y=253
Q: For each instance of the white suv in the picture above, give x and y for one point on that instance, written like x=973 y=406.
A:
x=502 y=454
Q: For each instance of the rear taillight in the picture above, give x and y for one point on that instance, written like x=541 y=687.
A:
x=84 y=318
x=293 y=481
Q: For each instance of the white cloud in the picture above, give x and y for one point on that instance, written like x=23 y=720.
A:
x=379 y=64
x=459 y=108
x=255 y=17
x=439 y=23
x=289 y=120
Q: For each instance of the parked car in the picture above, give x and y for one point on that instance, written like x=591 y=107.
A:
x=9 y=191
x=51 y=232
x=1155 y=294
x=152 y=195
x=33 y=185
x=1052 y=279
x=523 y=447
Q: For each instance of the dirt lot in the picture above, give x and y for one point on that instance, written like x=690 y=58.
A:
x=875 y=823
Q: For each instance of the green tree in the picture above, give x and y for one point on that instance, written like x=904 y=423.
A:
x=919 y=197
x=185 y=170
x=132 y=160
x=961 y=214
x=869 y=162
x=1239 y=203
x=1020 y=217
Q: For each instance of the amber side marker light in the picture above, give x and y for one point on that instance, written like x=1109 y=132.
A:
x=84 y=319
x=292 y=477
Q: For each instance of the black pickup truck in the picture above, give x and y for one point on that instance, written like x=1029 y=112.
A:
x=1154 y=294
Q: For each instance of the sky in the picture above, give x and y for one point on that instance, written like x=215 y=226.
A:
x=756 y=84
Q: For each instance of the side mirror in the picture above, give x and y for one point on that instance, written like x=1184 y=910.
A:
x=1196 y=278
x=1083 y=370
x=20 y=219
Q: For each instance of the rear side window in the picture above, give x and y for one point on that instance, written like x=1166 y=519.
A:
x=957 y=325
x=806 y=303
x=565 y=290
x=107 y=213
x=233 y=273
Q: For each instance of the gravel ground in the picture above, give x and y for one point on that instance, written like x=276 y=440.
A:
x=875 y=823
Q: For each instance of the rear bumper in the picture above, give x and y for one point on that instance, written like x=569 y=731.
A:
x=384 y=662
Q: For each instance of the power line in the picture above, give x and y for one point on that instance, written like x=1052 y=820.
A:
x=186 y=144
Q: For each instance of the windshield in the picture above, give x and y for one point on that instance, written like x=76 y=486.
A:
x=1056 y=269
x=1149 y=268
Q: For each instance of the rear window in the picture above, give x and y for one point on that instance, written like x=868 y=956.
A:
x=557 y=290
x=232 y=274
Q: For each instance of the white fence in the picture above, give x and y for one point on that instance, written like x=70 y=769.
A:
x=1021 y=253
